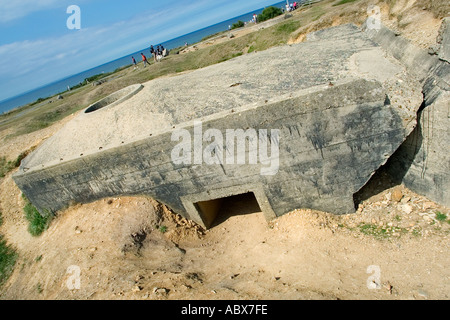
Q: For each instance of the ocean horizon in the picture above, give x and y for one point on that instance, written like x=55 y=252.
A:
x=62 y=85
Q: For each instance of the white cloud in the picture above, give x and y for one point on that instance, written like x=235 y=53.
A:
x=12 y=10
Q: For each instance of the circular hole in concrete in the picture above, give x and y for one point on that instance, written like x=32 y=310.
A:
x=115 y=98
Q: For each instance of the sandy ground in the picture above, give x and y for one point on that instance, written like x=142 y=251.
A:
x=122 y=253
x=393 y=247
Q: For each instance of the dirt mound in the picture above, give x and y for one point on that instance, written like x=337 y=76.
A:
x=135 y=248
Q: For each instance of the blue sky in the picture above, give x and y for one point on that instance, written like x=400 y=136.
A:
x=37 y=48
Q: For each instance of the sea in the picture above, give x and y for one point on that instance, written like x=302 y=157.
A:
x=62 y=85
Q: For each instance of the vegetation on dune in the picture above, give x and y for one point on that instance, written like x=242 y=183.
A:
x=7 y=166
x=343 y=2
x=269 y=13
x=37 y=222
x=8 y=257
x=237 y=25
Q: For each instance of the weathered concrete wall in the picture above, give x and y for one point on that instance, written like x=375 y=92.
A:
x=422 y=163
x=339 y=120
x=328 y=150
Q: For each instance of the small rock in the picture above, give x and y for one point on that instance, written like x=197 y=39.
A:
x=397 y=195
x=428 y=205
x=137 y=289
x=422 y=293
x=406 y=208
x=389 y=287
x=160 y=290
x=405 y=199
x=388 y=196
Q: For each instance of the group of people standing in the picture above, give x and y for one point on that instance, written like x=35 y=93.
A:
x=291 y=6
x=160 y=51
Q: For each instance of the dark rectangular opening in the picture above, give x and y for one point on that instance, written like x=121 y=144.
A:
x=216 y=211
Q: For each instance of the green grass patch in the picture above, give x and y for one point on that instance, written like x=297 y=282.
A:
x=317 y=13
x=343 y=2
x=8 y=258
x=441 y=216
x=7 y=166
x=37 y=222
x=380 y=233
x=288 y=27
x=45 y=119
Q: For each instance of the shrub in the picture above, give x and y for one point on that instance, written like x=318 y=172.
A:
x=7 y=260
x=269 y=13
x=238 y=24
x=38 y=223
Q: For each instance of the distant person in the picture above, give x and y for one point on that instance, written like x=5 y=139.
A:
x=152 y=51
x=144 y=59
x=163 y=51
x=134 y=62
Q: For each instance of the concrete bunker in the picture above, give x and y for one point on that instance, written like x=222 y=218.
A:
x=339 y=122
x=115 y=98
